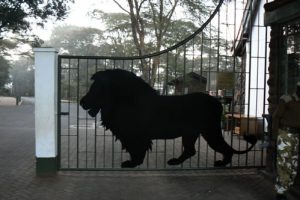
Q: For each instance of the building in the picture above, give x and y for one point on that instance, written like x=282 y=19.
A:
x=191 y=82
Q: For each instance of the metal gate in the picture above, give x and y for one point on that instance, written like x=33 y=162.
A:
x=217 y=59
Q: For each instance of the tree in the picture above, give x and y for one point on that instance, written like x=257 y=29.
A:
x=77 y=40
x=73 y=40
x=157 y=17
x=22 y=77
x=151 y=22
x=4 y=77
x=16 y=20
x=117 y=34
x=16 y=15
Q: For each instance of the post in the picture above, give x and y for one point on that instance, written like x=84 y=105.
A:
x=46 y=111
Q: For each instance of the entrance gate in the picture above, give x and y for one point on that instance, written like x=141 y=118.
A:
x=219 y=63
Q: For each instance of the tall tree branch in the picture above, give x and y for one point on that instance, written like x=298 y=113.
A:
x=120 y=6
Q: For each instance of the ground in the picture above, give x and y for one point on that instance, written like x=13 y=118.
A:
x=7 y=101
x=19 y=182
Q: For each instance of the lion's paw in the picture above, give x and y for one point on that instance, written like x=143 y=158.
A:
x=128 y=164
x=219 y=163
x=174 y=161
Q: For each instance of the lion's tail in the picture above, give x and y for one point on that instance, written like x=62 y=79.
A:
x=252 y=139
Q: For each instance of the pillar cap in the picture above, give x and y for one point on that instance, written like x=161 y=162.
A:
x=45 y=49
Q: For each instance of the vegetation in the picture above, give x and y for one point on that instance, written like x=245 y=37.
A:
x=4 y=77
x=151 y=26
x=16 y=20
x=22 y=77
x=144 y=27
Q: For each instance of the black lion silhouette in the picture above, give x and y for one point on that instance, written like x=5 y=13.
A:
x=136 y=114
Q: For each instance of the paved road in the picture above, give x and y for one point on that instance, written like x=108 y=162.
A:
x=18 y=180
x=27 y=100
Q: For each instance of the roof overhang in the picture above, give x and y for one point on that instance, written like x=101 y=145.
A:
x=281 y=11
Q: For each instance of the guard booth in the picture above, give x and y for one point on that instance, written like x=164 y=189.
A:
x=189 y=83
x=283 y=17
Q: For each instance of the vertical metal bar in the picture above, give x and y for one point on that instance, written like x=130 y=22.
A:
x=193 y=59
x=104 y=146
x=176 y=62
x=209 y=76
x=95 y=142
x=149 y=70
x=243 y=81
x=166 y=93
x=226 y=35
x=184 y=85
x=190 y=159
x=265 y=83
x=131 y=67
x=234 y=72
x=104 y=132
x=173 y=146
x=209 y=57
x=184 y=68
x=201 y=56
x=59 y=111
x=112 y=135
x=148 y=159
x=218 y=43
x=157 y=77
x=218 y=57
x=250 y=70
x=69 y=110
x=175 y=69
x=206 y=160
x=201 y=73
x=257 y=82
x=86 y=116
x=150 y=75
x=156 y=155
x=77 y=100
x=167 y=75
x=199 y=152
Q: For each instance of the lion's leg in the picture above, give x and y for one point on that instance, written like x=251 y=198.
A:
x=137 y=158
x=137 y=151
x=216 y=141
x=188 y=142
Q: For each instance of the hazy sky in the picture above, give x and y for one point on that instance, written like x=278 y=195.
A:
x=78 y=16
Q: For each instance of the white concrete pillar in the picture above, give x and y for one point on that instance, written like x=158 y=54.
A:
x=46 y=110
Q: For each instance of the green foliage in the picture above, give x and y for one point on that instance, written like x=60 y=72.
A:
x=197 y=10
x=22 y=77
x=154 y=28
x=117 y=34
x=16 y=19
x=15 y=15
x=4 y=77
x=77 y=40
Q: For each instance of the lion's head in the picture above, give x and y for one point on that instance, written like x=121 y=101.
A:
x=113 y=87
x=93 y=100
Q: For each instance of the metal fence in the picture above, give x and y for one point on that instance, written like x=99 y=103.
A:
x=218 y=59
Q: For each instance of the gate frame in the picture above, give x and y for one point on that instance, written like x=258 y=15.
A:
x=47 y=109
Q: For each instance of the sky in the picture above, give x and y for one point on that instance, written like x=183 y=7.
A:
x=78 y=16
